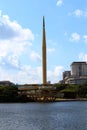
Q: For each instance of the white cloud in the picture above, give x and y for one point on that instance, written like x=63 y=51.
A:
x=83 y=56
x=50 y=49
x=12 y=30
x=59 y=2
x=35 y=56
x=34 y=75
x=57 y=70
x=13 y=59
x=85 y=38
x=54 y=76
x=79 y=13
x=0 y=12
x=4 y=75
x=14 y=39
x=75 y=37
x=27 y=74
x=10 y=52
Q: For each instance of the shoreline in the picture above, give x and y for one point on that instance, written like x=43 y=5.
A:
x=68 y=100
x=57 y=100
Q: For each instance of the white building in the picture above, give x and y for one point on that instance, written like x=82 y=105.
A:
x=78 y=73
x=79 y=69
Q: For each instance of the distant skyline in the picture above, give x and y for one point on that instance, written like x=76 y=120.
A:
x=21 y=38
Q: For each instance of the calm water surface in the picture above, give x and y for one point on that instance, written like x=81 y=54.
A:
x=44 y=116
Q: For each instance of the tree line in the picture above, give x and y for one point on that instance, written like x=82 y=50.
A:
x=10 y=93
x=72 y=90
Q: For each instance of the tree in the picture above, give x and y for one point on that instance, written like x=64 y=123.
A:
x=8 y=93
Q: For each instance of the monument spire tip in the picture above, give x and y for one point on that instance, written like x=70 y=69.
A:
x=43 y=21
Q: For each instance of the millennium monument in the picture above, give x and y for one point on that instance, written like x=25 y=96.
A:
x=44 y=71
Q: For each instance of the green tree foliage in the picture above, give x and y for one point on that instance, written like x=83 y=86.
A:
x=60 y=86
x=72 y=90
x=82 y=91
x=8 y=93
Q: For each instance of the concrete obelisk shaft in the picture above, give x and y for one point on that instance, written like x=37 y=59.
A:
x=44 y=75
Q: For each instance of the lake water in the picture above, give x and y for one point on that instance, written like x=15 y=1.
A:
x=44 y=116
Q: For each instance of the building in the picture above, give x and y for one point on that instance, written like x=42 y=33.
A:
x=78 y=69
x=77 y=75
x=66 y=74
x=6 y=83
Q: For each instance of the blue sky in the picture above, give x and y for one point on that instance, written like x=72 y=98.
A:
x=21 y=38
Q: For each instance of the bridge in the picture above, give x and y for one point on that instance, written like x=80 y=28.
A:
x=39 y=92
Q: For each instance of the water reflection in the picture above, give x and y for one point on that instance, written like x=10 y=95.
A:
x=44 y=116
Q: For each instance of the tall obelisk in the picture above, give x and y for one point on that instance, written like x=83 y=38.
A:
x=44 y=71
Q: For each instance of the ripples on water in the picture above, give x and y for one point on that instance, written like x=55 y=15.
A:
x=44 y=116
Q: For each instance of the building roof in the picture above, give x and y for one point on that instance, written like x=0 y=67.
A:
x=79 y=62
